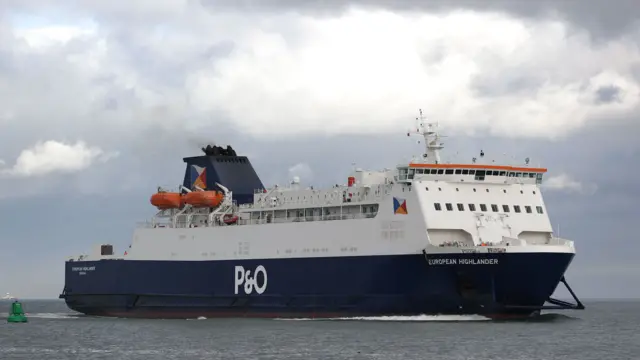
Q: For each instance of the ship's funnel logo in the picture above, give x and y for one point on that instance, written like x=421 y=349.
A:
x=399 y=206
x=199 y=176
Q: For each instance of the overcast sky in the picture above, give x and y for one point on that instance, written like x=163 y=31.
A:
x=100 y=100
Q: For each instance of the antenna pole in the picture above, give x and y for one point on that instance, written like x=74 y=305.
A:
x=428 y=130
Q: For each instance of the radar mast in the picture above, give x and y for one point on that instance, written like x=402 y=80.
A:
x=429 y=131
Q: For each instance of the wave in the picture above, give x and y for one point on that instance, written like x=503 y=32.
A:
x=436 y=318
x=50 y=315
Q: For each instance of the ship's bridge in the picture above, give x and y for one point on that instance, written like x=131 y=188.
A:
x=429 y=166
x=500 y=174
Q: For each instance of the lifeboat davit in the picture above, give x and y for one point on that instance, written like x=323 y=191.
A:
x=203 y=198
x=166 y=200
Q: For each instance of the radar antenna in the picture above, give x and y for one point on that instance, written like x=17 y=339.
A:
x=429 y=131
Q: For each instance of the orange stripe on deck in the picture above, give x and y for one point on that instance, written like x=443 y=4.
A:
x=477 y=166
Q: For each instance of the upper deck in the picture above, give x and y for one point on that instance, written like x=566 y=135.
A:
x=360 y=197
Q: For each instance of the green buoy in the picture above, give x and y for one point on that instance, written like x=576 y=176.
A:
x=17 y=314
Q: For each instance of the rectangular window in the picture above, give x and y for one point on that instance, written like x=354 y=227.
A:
x=458 y=171
x=483 y=207
x=528 y=209
x=516 y=208
x=539 y=209
x=437 y=206
x=460 y=207
x=449 y=206
x=505 y=208
x=440 y=171
x=472 y=207
x=465 y=172
x=449 y=172
x=494 y=207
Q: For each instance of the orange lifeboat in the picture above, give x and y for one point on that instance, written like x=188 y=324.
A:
x=166 y=200
x=203 y=198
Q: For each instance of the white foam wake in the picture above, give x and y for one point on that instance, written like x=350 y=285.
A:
x=401 y=318
x=52 y=315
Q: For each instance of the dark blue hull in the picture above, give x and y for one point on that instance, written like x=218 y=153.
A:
x=496 y=285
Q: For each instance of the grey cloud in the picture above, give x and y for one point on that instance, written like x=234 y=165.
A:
x=607 y=94
x=601 y=18
x=495 y=85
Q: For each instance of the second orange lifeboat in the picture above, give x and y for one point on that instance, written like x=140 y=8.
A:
x=166 y=200
x=203 y=198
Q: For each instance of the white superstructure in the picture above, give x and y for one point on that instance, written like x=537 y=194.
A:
x=425 y=205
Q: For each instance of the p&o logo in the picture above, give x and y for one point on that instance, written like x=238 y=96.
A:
x=251 y=282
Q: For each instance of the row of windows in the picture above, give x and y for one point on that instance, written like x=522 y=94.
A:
x=494 y=208
x=473 y=172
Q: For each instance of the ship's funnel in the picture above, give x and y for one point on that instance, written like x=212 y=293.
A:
x=224 y=166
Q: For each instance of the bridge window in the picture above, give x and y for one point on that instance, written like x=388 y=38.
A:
x=505 y=208
x=528 y=209
x=480 y=175
x=471 y=172
x=472 y=207
x=437 y=206
x=440 y=172
x=539 y=209
x=402 y=173
x=494 y=207
x=502 y=173
x=458 y=171
x=483 y=207
x=465 y=172
x=460 y=207
x=449 y=172
x=449 y=207
x=516 y=208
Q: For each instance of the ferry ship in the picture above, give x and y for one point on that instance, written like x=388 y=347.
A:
x=428 y=237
